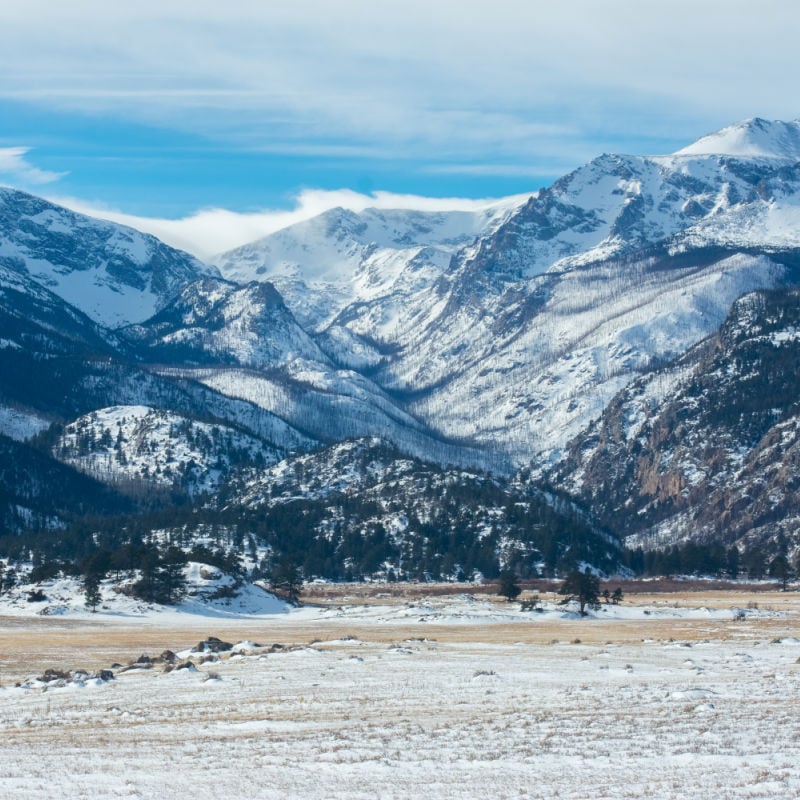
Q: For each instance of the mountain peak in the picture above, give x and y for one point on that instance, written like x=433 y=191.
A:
x=751 y=138
x=114 y=274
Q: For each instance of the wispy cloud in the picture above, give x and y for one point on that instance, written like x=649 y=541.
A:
x=447 y=80
x=213 y=231
x=14 y=166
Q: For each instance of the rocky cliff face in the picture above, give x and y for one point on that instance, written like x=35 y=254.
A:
x=707 y=448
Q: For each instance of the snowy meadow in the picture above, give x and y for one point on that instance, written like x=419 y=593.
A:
x=453 y=696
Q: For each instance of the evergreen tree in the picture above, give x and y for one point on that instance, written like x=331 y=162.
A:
x=781 y=569
x=162 y=579
x=582 y=587
x=509 y=588
x=287 y=580
x=171 y=578
x=91 y=591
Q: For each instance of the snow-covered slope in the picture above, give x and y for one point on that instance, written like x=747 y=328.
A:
x=147 y=446
x=487 y=338
x=324 y=264
x=113 y=274
x=242 y=342
x=707 y=448
x=754 y=138
x=216 y=321
x=518 y=330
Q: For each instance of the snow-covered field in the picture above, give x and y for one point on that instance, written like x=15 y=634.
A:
x=437 y=697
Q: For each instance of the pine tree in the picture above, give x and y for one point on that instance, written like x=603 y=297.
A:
x=509 y=588
x=582 y=587
x=287 y=579
x=781 y=569
x=91 y=591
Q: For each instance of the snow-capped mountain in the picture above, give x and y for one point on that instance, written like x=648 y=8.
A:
x=114 y=274
x=324 y=265
x=213 y=321
x=243 y=343
x=517 y=335
x=482 y=339
x=754 y=138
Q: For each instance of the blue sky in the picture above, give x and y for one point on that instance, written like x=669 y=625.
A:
x=161 y=110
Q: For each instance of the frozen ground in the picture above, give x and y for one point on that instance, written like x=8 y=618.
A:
x=441 y=698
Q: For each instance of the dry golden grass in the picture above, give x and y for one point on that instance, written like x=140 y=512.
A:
x=456 y=707
x=30 y=645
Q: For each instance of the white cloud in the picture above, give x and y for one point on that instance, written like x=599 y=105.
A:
x=212 y=231
x=450 y=80
x=14 y=165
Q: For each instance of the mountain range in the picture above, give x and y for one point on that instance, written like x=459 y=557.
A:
x=624 y=337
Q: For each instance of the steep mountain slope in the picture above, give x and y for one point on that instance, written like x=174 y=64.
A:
x=217 y=356
x=142 y=447
x=36 y=491
x=521 y=336
x=115 y=275
x=213 y=321
x=487 y=340
x=362 y=508
x=243 y=343
x=59 y=368
x=707 y=448
x=37 y=330
x=341 y=257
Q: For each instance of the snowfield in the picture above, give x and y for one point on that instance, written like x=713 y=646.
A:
x=442 y=697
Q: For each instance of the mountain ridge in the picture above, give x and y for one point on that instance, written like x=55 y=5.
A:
x=489 y=339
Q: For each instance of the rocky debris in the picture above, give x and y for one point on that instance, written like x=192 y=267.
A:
x=213 y=645
x=209 y=651
x=210 y=574
x=57 y=678
x=185 y=664
x=50 y=675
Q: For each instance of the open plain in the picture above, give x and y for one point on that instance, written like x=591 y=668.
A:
x=370 y=694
